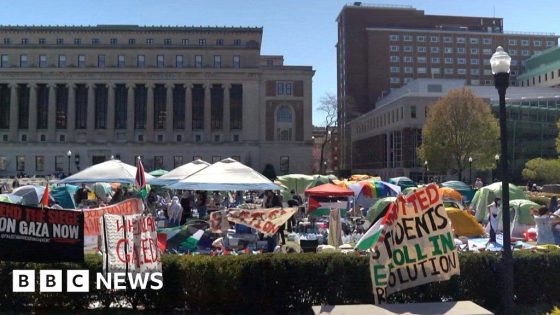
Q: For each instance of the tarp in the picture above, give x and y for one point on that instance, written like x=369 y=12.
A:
x=462 y=188
x=179 y=173
x=226 y=175
x=485 y=196
x=297 y=182
x=448 y=192
x=112 y=171
x=64 y=195
x=329 y=190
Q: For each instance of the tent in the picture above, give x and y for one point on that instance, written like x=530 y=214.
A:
x=522 y=210
x=179 y=173
x=30 y=195
x=297 y=182
x=368 y=191
x=329 y=190
x=10 y=198
x=462 y=188
x=64 y=195
x=450 y=193
x=226 y=175
x=463 y=223
x=485 y=196
x=403 y=182
x=112 y=171
x=158 y=172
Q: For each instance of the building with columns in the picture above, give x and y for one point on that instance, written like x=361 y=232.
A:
x=169 y=94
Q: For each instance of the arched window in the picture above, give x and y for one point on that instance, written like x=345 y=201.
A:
x=284 y=123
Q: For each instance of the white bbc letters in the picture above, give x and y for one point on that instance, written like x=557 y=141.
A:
x=77 y=280
x=23 y=280
x=50 y=281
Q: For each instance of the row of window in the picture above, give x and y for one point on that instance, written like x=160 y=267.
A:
x=435 y=60
x=121 y=61
x=458 y=50
x=540 y=78
x=463 y=40
x=424 y=70
x=115 y=41
x=387 y=118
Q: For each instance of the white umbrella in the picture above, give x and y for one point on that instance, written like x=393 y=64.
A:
x=179 y=173
x=226 y=175
x=112 y=171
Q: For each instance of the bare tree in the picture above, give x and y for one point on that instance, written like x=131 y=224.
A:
x=329 y=108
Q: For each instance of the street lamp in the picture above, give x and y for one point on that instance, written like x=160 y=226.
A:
x=470 y=170
x=69 y=155
x=497 y=159
x=425 y=172
x=500 y=63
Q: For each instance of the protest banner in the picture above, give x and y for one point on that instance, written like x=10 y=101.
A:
x=219 y=222
x=91 y=216
x=412 y=244
x=129 y=244
x=40 y=234
x=266 y=221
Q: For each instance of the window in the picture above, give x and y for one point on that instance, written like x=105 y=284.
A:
x=149 y=41
x=202 y=42
x=179 y=61
x=160 y=61
x=537 y=43
x=475 y=72
x=434 y=49
x=513 y=63
x=42 y=61
x=474 y=61
x=448 y=71
x=512 y=42
x=420 y=38
x=179 y=138
x=60 y=41
x=140 y=61
x=81 y=61
x=217 y=138
x=447 y=39
x=20 y=163
x=549 y=43
x=284 y=120
x=39 y=163
x=185 y=42
x=132 y=41
x=62 y=138
x=394 y=58
x=283 y=88
x=486 y=62
x=395 y=69
x=24 y=41
x=435 y=70
x=421 y=49
x=7 y=41
x=23 y=61
x=461 y=71
x=198 y=61
x=235 y=138
x=448 y=60
x=460 y=40
x=197 y=139
x=61 y=61
x=407 y=38
x=421 y=70
x=394 y=48
x=24 y=137
x=395 y=80
x=236 y=62
x=460 y=50
x=393 y=38
x=407 y=48
x=435 y=60
x=474 y=50
x=461 y=61
x=285 y=164
x=524 y=42
x=408 y=70
x=487 y=51
x=42 y=41
x=434 y=39
x=167 y=41
x=77 y=41
x=158 y=162
x=269 y=62
x=59 y=163
x=43 y=138
x=406 y=80
x=407 y=59
x=219 y=42
x=101 y=61
x=512 y=52
x=121 y=61
x=448 y=50
x=159 y=138
x=524 y=52
x=217 y=61
x=487 y=41
x=412 y=111
x=177 y=161
x=95 y=41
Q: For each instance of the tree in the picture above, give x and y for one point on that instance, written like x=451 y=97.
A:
x=542 y=170
x=459 y=126
x=329 y=108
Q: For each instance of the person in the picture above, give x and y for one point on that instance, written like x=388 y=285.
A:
x=82 y=195
x=186 y=203
x=152 y=199
x=15 y=183
x=553 y=205
x=201 y=200
x=493 y=210
x=296 y=197
x=175 y=211
x=118 y=196
x=478 y=183
x=546 y=226
x=534 y=188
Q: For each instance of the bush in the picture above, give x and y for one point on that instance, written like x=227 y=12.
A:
x=285 y=283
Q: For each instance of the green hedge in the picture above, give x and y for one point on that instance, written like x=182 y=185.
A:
x=283 y=283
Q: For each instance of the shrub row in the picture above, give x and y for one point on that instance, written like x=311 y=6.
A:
x=283 y=283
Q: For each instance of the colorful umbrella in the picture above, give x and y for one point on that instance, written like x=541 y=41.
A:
x=378 y=207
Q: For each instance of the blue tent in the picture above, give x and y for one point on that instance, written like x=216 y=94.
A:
x=64 y=195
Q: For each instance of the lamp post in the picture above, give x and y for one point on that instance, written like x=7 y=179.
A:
x=470 y=170
x=500 y=63
x=497 y=159
x=425 y=172
x=69 y=155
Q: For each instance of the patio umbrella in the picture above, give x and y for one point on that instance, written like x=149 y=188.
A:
x=158 y=172
x=112 y=171
x=31 y=195
x=368 y=191
x=10 y=198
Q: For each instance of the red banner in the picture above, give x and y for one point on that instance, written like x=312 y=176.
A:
x=91 y=216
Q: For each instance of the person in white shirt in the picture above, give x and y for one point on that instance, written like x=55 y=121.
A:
x=175 y=211
x=493 y=210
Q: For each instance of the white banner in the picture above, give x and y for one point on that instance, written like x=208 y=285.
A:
x=129 y=244
x=266 y=221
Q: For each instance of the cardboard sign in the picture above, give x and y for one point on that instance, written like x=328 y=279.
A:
x=91 y=216
x=416 y=245
x=129 y=244
x=266 y=221
x=219 y=222
x=40 y=234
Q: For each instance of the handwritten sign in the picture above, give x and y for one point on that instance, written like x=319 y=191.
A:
x=129 y=244
x=416 y=245
x=40 y=234
x=91 y=216
x=219 y=222
x=266 y=221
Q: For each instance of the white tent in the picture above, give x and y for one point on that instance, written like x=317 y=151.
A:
x=112 y=171
x=179 y=173
x=226 y=175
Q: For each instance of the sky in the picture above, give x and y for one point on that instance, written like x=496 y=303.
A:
x=303 y=31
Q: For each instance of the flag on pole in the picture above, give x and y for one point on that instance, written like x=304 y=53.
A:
x=140 y=175
x=376 y=232
x=45 y=199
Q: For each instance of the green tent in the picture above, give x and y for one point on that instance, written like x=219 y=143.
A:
x=523 y=210
x=297 y=182
x=485 y=196
x=465 y=190
x=378 y=207
x=64 y=195
x=158 y=172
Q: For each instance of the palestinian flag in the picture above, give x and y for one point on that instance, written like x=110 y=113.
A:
x=192 y=241
x=318 y=206
x=376 y=232
x=140 y=179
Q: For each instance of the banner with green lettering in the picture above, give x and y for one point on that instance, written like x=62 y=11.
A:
x=413 y=244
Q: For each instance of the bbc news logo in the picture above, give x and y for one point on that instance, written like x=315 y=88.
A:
x=78 y=281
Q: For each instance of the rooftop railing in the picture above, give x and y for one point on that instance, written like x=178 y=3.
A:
x=378 y=5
